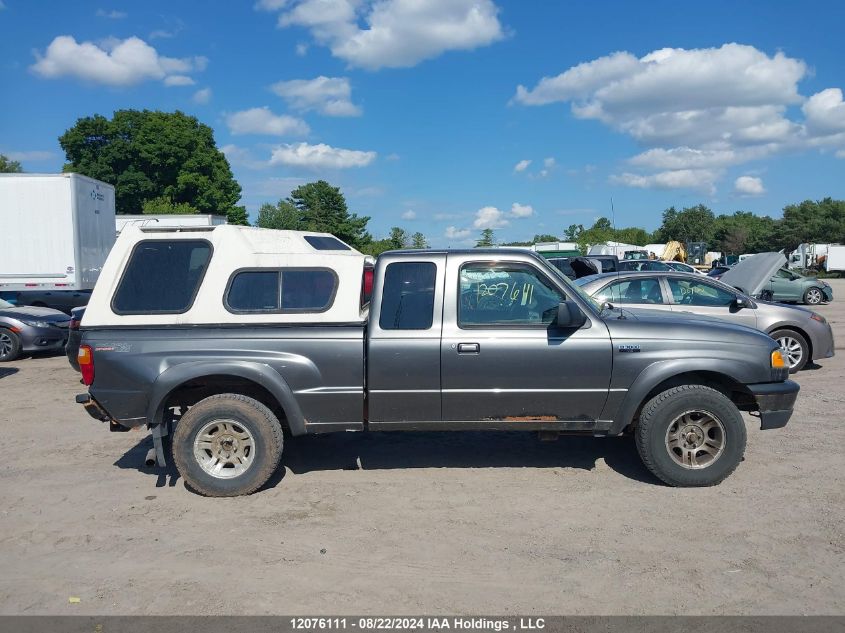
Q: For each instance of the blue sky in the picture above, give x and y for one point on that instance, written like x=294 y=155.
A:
x=414 y=108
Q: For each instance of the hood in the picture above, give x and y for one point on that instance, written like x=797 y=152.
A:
x=34 y=312
x=753 y=273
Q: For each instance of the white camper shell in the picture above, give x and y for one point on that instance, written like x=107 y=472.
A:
x=56 y=231
x=227 y=252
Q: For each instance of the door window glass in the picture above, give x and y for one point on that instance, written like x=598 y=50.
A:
x=639 y=290
x=696 y=293
x=407 y=300
x=506 y=294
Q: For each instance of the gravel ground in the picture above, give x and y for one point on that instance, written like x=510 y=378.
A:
x=421 y=522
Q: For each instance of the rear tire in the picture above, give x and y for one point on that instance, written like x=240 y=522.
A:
x=690 y=435
x=794 y=347
x=10 y=346
x=814 y=296
x=227 y=445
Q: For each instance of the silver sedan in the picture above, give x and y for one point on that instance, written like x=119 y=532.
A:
x=803 y=334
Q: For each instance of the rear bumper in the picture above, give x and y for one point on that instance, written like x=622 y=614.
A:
x=98 y=412
x=775 y=401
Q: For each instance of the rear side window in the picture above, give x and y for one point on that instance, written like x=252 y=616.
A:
x=281 y=290
x=407 y=301
x=162 y=277
x=326 y=243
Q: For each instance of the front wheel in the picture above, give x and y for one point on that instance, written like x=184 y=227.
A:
x=813 y=296
x=227 y=445
x=690 y=435
x=794 y=347
x=10 y=345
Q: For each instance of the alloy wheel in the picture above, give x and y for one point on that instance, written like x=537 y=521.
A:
x=224 y=449
x=5 y=344
x=814 y=296
x=791 y=350
x=695 y=439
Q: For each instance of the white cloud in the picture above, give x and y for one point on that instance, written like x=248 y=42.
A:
x=30 y=156
x=162 y=34
x=302 y=49
x=549 y=162
x=697 y=111
x=320 y=156
x=749 y=186
x=699 y=179
x=270 y=5
x=454 y=233
x=202 y=96
x=398 y=33
x=112 y=15
x=840 y=153
x=522 y=165
x=114 y=62
x=328 y=95
x=409 y=215
x=521 y=210
x=490 y=218
x=178 y=80
x=825 y=111
x=263 y=121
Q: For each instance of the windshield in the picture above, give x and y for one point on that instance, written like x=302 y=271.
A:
x=5 y=304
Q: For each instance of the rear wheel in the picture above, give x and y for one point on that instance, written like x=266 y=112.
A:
x=690 y=435
x=227 y=445
x=10 y=345
x=794 y=347
x=813 y=296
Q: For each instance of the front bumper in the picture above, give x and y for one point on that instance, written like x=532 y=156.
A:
x=42 y=339
x=775 y=401
x=828 y=293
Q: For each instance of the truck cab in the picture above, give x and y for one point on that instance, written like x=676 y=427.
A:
x=218 y=340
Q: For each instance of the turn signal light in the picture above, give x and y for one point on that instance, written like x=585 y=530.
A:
x=86 y=364
x=777 y=360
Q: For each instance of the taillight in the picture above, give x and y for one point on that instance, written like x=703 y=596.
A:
x=86 y=364
x=367 y=286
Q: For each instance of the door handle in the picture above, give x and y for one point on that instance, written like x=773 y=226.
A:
x=469 y=348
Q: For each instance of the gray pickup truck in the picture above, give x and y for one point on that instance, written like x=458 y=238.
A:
x=221 y=340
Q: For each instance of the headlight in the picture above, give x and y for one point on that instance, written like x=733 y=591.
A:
x=36 y=323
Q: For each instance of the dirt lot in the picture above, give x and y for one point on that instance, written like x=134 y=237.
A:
x=419 y=523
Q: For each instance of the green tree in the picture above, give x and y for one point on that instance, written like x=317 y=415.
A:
x=9 y=166
x=487 y=239
x=418 y=240
x=573 y=232
x=811 y=221
x=601 y=231
x=398 y=238
x=691 y=224
x=545 y=237
x=165 y=206
x=283 y=216
x=151 y=154
x=323 y=208
x=633 y=235
x=744 y=232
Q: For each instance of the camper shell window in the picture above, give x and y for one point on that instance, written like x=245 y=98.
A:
x=281 y=290
x=162 y=277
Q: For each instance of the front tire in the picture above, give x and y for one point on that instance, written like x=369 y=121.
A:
x=10 y=346
x=690 y=435
x=227 y=445
x=814 y=296
x=794 y=347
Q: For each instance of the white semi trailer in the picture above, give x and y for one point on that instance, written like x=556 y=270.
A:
x=56 y=231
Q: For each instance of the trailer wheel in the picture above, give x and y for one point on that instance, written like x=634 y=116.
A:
x=690 y=435
x=227 y=445
x=10 y=345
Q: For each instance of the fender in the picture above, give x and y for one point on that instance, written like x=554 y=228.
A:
x=660 y=371
x=258 y=373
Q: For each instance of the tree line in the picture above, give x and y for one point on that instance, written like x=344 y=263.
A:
x=168 y=162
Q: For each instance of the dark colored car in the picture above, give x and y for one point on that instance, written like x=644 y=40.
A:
x=74 y=337
x=29 y=329
x=717 y=271
x=63 y=300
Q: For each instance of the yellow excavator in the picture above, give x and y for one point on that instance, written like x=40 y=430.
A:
x=674 y=252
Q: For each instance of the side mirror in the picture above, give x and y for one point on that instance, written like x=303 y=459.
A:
x=569 y=316
x=741 y=302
